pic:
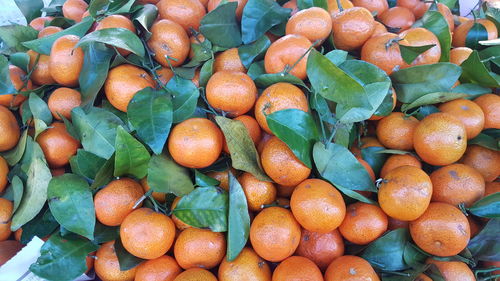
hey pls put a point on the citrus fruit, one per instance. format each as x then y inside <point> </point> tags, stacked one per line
<point>9,128</point>
<point>383,51</point>
<point>39,22</point>
<point>491,187</point>
<point>459,55</point>
<point>57,145</point>
<point>229,60</point>
<point>258,193</point>
<point>287,52</point>
<point>158,196</point>
<point>321,248</point>
<point>484,160</point>
<point>313,23</point>
<point>460,32</point>
<point>296,268</point>
<point>248,266</point>
<point>212,4</point>
<point>46,31</point>
<point>164,74</point>
<point>41,73</point>
<point>398,160</point>
<point>164,268</point>
<point>107,267</point>
<point>469,113</point>
<point>333,7</point>
<point>18,79</point>
<point>419,36</point>
<point>117,21</point>
<point>374,6</point>
<point>169,42</point>
<point>62,101</point>
<point>6,208</point>
<point>398,18</point>
<point>490,104</point>
<point>187,13</point>
<point>363,223</point>
<point>196,247</point>
<point>396,130</point>
<point>74,9</point>
<point>66,61</point>
<point>350,268</point>
<point>196,274</point>
<point>352,28</point>
<point>4,171</point>
<point>178,223</point>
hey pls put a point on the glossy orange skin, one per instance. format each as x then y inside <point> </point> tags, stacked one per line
<point>158,196</point>
<point>196,247</point>
<point>187,13</point>
<point>164,268</point>
<point>222,177</point>
<point>420,37</point>
<point>418,7</point>
<point>178,223</point>
<point>313,23</point>
<point>459,55</point>
<point>277,97</point>
<point>374,6</point>
<point>491,187</point>
<point>287,51</point>
<point>164,74</point>
<point>196,274</point>
<point>9,128</point>
<point>440,139</point>
<point>490,104</point>
<point>212,4</point>
<point>397,17</point>
<point>297,268</point>
<point>62,101</point>
<point>394,101</point>
<point>484,160</point>
<point>317,206</point>
<point>471,115</point>
<point>4,171</point>
<point>169,39</point>
<point>333,8</point>
<point>378,29</point>
<point>41,74</point>
<point>281,165</point>
<point>443,230</point>
<point>66,61</point>
<point>195,143</point>
<point>405,193</point>
<point>117,21</point>
<point>248,266</point>
<point>446,12</point>
<point>123,82</point>
<point>107,267</point>
<point>363,223</point>
<point>352,28</point>
<point>398,160</point>
<point>39,22</point>
<point>396,130</point>
<point>116,200</point>
<point>453,270</point>
<point>275,234</point>
<point>6,208</point>
<point>8,249</point>
<point>229,60</point>
<point>350,268</point>
<point>375,52</point>
<point>257,192</point>
<point>461,31</point>
<point>49,30</point>
<point>74,9</point>
<point>16,75</point>
<point>321,248</point>
<point>57,145</point>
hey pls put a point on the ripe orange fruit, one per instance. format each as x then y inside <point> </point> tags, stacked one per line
<point>6,208</point>
<point>117,21</point>
<point>352,27</point>
<point>297,268</point>
<point>229,60</point>
<point>163,268</point>
<point>4,171</point>
<point>313,23</point>
<point>248,266</point>
<point>116,200</point>
<point>66,61</point>
<point>461,31</point>
<point>46,31</point>
<point>41,74</point>
<point>164,74</point>
<point>195,143</point>
<point>39,22</point>
<point>123,82</point>
<point>107,267</point>
<point>440,139</point>
<point>491,187</point>
<point>397,17</point>
<point>158,196</point>
<point>405,193</point>
<point>281,165</point>
<point>421,37</point>
<point>62,101</point>
<point>169,41</point>
<point>8,249</point>
<point>459,55</point>
<point>277,97</point>
<point>196,274</point>
<point>484,160</point>
<point>446,12</point>
<point>490,104</point>
<point>74,9</point>
<point>416,6</point>
<point>222,177</point>
<point>378,29</point>
<point>252,127</point>
<point>321,248</point>
<point>363,223</point>
<point>469,113</point>
<point>9,128</point>
<point>17,77</point>
<point>398,160</point>
<point>287,51</point>
<point>396,130</point>
<point>350,268</point>
<point>443,230</point>
<point>196,247</point>
<point>212,4</point>
<point>375,52</point>
<point>333,8</point>
<point>187,13</point>
<point>275,234</point>
<point>257,192</point>
<point>453,270</point>
<point>374,6</point>
<point>58,145</point>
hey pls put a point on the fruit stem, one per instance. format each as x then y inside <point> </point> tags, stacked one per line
<point>289,68</point>
<point>340,6</point>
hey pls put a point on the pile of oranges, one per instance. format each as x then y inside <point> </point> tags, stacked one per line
<point>192,157</point>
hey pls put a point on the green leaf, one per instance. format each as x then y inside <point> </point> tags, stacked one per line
<point>484,246</point>
<point>40,126</point>
<point>259,16</point>
<point>477,33</point>
<point>472,90</point>
<point>413,256</point>
<point>63,258</point>
<point>42,225</point>
<point>125,259</point>
<point>120,7</point>
<point>61,22</point>
<point>6,85</point>
<point>144,18</point>
<point>249,53</point>
<point>475,71</point>
<point>386,253</point>
<point>433,98</point>
<point>204,180</point>
<point>12,37</point>
<point>164,175</point>
<point>238,219</point>
<point>14,155</point>
<point>485,140</point>
<point>256,69</point>
<point>117,37</point>
<point>487,207</point>
<point>410,53</point>
<point>206,72</point>
<point>373,156</point>
<point>202,52</point>
<point>449,3</point>
<point>244,156</point>
<point>20,60</point>
<point>304,4</point>
<point>184,98</point>
<point>297,129</point>
<point>71,203</point>
<point>86,164</point>
<point>131,157</point>
<point>18,189</point>
<point>204,207</point>
<point>104,233</point>
<point>30,8</point>
<point>493,14</point>
<point>221,27</point>
<point>150,112</point>
<point>337,57</point>
<point>436,23</point>
<point>265,80</point>
<point>39,108</point>
<point>105,173</point>
<point>98,7</point>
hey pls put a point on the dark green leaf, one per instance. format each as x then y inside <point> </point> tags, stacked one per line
<point>125,259</point>
<point>477,33</point>
<point>238,219</point>
<point>433,98</point>
<point>487,207</point>
<point>164,175</point>
<point>493,14</point>
<point>20,60</point>
<point>304,4</point>
<point>104,233</point>
<point>202,52</point>
<point>410,53</point>
<point>184,98</point>
<point>98,7</point>
<point>413,256</point>
<point>185,72</point>
<point>259,16</point>
<point>206,72</point>
<point>220,26</point>
<point>204,180</point>
<point>449,3</point>
<point>337,57</point>
<point>256,69</point>
<point>435,22</point>
<point>40,126</point>
<point>476,72</point>
<point>42,225</point>
<point>144,18</point>
<point>484,246</point>
<point>253,51</point>
<point>12,37</point>
<point>6,86</point>
<point>374,158</point>
<point>39,108</point>
<point>387,252</point>
<point>265,80</point>
<point>30,8</point>
<point>86,164</point>
<point>485,140</point>
<point>54,8</point>
<point>120,7</point>
<point>117,37</point>
<point>14,155</point>
<point>131,157</point>
<point>343,134</point>
<point>472,90</point>
<point>60,22</point>
<point>94,71</point>
<point>18,189</point>
<point>320,105</point>
<point>105,173</point>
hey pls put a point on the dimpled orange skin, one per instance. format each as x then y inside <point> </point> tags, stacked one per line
<point>378,29</point>
<point>4,171</point>
<point>116,200</point>
<point>196,274</point>
<point>443,230</point>
<point>396,131</point>
<point>275,234</point>
<point>62,101</point>
<point>469,113</point>
<point>257,192</point>
<point>461,31</point>
<point>440,139</point>
<point>333,8</point>
<point>363,223</point>
<point>187,13</point>
<point>459,55</point>
<point>405,193</point>
<point>484,160</point>
<point>58,145</point>
<point>321,248</point>
<point>421,37</point>
<point>107,267</point>
<point>6,208</point>
<point>117,21</point>
<point>39,23</point>
<point>196,247</point>
<point>169,39</point>
<point>222,177</point>
<point>375,52</point>
<point>74,9</point>
<point>397,17</point>
<point>453,270</point>
<point>287,51</point>
<point>248,266</point>
<point>277,97</point>
<point>9,128</point>
<point>457,183</point>
<point>350,268</point>
<point>41,74</point>
<point>352,27</point>
<point>195,143</point>
<point>297,268</point>
<point>212,4</point>
<point>490,104</point>
<point>164,268</point>
<point>398,160</point>
<point>229,60</point>
<point>281,165</point>
<point>378,6</point>
<point>49,30</point>
<point>16,75</point>
<point>66,61</point>
<point>313,23</point>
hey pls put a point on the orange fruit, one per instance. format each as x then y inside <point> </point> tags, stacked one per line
<point>169,41</point>
<point>440,139</point>
<point>363,223</point>
<point>17,77</point>
<point>368,168</point>
<point>469,113</point>
<point>446,12</point>
<point>484,160</point>
<point>8,249</point>
<point>4,172</point>
<point>394,101</point>
<point>66,61</point>
<point>257,192</point>
<point>491,187</point>
<point>117,21</point>
<point>6,208</point>
<point>46,31</point>
<point>195,143</point>
<point>443,230</point>
<point>248,266</point>
<point>62,101</point>
<point>9,128</point>
<point>116,200</point>
<point>252,126</point>
<point>405,193</point>
<point>398,160</point>
<point>490,104</point>
<point>374,6</point>
<point>229,60</point>
<point>275,234</point>
<point>375,52</point>
<point>164,74</point>
<point>123,82</point>
<point>395,224</point>
<point>58,145</point>
<point>178,223</point>
<point>74,9</point>
<point>396,130</point>
<point>292,4</point>
<point>378,29</point>
<point>418,7</point>
<point>321,248</point>
<point>352,28</point>
<point>187,13</point>
<point>41,74</point>
<point>350,268</point>
<point>158,196</point>
<point>287,51</point>
<point>297,268</point>
<point>39,22</point>
<point>313,23</point>
<point>277,97</point>
<point>421,37</point>
<point>222,177</point>
<point>164,268</point>
<point>281,165</point>
<point>196,78</point>
<point>399,18</point>
<point>459,55</point>
<point>461,31</point>
<point>333,7</point>
<point>107,267</point>
<point>453,270</point>
<point>196,247</point>
<point>196,274</point>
